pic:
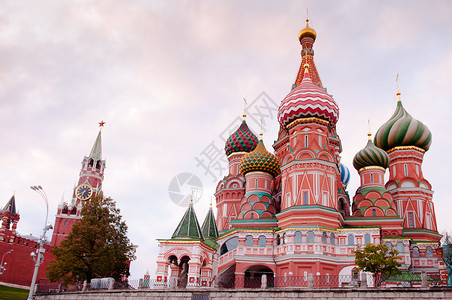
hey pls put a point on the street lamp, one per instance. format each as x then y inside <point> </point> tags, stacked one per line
<point>2,268</point>
<point>40,256</point>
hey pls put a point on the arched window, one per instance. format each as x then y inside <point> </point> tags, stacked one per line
<point>389,245</point>
<point>310,237</point>
<point>374,213</point>
<point>91,163</point>
<point>262,242</point>
<point>415,252</point>
<point>371,178</point>
<point>284,238</point>
<point>306,141</point>
<point>249,241</point>
<point>366,238</point>
<point>98,164</point>
<point>429,252</point>
<point>332,239</point>
<point>324,237</point>
<point>351,240</point>
<point>297,237</point>
<point>400,247</point>
<point>278,240</point>
<point>229,245</point>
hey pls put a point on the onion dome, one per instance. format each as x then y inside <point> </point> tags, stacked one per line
<point>371,156</point>
<point>308,100</point>
<point>260,160</point>
<point>242,140</point>
<point>307,32</point>
<point>345,174</point>
<point>403,130</point>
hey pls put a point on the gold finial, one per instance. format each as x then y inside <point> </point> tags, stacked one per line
<point>244,109</point>
<point>191,199</point>
<point>369,134</point>
<point>211,202</point>
<point>398,88</point>
<point>261,134</point>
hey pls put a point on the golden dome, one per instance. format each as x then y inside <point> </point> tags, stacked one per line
<point>307,32</point>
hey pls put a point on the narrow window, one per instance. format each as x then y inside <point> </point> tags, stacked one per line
<point>410,220</point>
<point>406,169</point>
<point>371,178</point>
<point>415,252</point>
<point>366,238</point>
<point>305,198</point>
<point>284,238</point>
<point>351,240</point>
<point>332,239</point>
<point>297,237</point>
<point>400,247</point>
<point>310,237</point>
<point>256,183</point>
<point>278,240</point>
<point>262,241</point>
<point>374,213</point>
<point>249,241</point>
<point>324,237</point>
<point>252,215</point>
<point>306,141</point>
<point>429,252</point>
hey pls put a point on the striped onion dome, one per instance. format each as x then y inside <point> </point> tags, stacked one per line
<point>242,140</point>
<point>260,160</point>
<point>345,174</point>
<point>403,130</point>
<point>371,156</point>
<point>308,100</point>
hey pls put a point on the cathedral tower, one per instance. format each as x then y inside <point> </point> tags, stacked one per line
<point>308,148</point>
<point>406,140</point>
<point>231,189</point>
<point>89,185</point>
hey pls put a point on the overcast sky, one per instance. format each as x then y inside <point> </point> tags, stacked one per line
<point>168,78</point>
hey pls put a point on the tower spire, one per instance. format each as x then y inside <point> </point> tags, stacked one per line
<point>307,37</point>
<point>398,88</point>
<point>96,151</point>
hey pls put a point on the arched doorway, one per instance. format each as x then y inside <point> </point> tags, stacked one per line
<point>253,276</point>
<point>184,270</point>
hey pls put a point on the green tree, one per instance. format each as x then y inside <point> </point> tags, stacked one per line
<point>97,246</point>
<point>378,260</point>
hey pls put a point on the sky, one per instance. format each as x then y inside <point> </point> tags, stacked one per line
<point>168,78</point>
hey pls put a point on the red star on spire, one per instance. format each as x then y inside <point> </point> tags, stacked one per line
<point>101,123</point>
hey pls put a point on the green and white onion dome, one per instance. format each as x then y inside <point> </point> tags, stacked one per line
<point>403,130</point>
<point>370,156</point>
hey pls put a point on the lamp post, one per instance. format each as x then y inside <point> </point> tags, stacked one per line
<point>2,268</point>
<point>40,256</point>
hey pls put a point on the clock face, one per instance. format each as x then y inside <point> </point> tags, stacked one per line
<point>83,192</point>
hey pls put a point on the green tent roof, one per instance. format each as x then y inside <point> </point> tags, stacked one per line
<point>188,227</point>
<point>209,227</point>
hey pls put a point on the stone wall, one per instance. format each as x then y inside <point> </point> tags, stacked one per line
<point>205,294</point>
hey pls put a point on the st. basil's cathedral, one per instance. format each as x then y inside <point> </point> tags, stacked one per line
<point>289,214</point>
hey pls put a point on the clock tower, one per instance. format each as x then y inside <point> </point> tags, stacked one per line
<point>89,184</point>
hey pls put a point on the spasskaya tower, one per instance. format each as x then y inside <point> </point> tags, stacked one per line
<point>89,185</point>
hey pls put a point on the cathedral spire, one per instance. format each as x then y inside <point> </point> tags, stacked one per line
<point>209,227</point>
<point>96,151</point>
<point>188,227</point>
<point>307,37</point>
